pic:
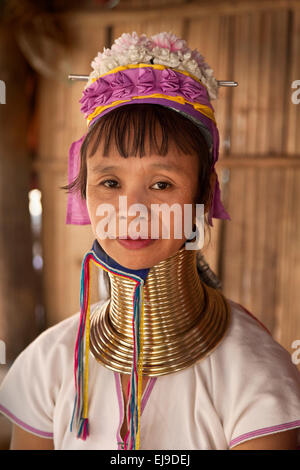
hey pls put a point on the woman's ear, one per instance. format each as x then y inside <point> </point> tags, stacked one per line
<point>212,183</point>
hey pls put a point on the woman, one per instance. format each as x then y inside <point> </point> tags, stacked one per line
<point>167,362</point>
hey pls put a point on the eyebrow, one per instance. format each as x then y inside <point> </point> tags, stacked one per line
<point>103,169</point>
<point>100,168</point>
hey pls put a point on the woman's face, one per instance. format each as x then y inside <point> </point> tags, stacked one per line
<point>152,179</point>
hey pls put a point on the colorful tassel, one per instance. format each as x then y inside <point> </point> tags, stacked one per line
<point>81,360</point>
<point>135,385</point>
<point>82,355</point>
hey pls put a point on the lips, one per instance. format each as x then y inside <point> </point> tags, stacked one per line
<point>135,244</point>
<point>139,238</point>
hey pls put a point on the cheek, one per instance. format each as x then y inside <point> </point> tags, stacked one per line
<point>188,204</point>
<point>102,211</point>
<point>187,195</point>
<point>90,202</point>
<point>93,201</point>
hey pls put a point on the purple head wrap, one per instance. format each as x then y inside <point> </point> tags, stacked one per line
<point>153,84</point>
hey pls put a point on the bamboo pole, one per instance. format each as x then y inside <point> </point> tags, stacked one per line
<point>17,282</point>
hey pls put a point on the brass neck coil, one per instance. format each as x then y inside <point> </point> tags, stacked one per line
<point>184,319</point>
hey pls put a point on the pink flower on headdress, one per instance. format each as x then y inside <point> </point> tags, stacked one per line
<point>169,82</point>
<point>169,41</point>
<point>121,85</point>
<point>125,41</point>
<point>146,81</point>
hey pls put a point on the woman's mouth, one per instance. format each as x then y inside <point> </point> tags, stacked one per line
<point>135,244</point>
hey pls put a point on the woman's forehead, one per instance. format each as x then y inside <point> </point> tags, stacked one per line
<point>172,161</point>
<point>155,162</point>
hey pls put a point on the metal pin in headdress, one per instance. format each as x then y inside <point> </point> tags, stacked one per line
<point>84,78</point>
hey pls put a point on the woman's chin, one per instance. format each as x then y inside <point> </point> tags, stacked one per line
<point>135,257</point>
<point>136,260</point>
<point>138,256</point>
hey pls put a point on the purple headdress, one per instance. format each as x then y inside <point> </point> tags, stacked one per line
<point>159,70</point>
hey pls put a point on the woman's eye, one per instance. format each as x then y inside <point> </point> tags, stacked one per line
<point>114,184</point>
<point>162,184</point>
<point>109,185</point>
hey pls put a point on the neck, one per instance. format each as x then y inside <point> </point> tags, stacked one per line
<point>183,321</point>
<point>173,297</point>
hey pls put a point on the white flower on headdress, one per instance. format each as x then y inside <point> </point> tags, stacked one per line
<point>209,80</point>
<point>165,57</point>
<point>134,55</point>
<point>190,65</point>
<point>195,55</point>
<point>126,41</point>
<point>163,48</point>
<point>104,61</point>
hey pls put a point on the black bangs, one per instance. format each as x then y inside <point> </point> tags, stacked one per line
<point>130,127</point>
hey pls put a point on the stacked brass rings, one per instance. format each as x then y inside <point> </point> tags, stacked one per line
<point>184,319</point>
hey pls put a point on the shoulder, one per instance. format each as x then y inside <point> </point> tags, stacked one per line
<point>248,349</point>
<point>255,384</point>
<point>62,334</point>
<point>52,342</point>
<point>43,370</point>
<point>247,339</point>
<point>250,365</point>
<point>54,345</point>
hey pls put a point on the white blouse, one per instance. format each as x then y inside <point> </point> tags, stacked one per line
<point>246,388</point>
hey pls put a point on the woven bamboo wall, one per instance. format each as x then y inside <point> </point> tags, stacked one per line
<point>256,254</point>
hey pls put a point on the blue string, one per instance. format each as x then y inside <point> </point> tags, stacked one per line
<point>139,275</point>
<point>77,404</point>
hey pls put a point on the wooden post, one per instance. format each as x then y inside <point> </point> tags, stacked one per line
<point>17,284</point>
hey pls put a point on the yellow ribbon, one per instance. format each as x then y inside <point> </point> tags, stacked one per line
<point>153,66</point>
<point>140,372</point>
<point>203,109</point>
<point>87,348</point>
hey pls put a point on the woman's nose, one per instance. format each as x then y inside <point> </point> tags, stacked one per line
<point>136,196</point>
<point>134,206</point>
